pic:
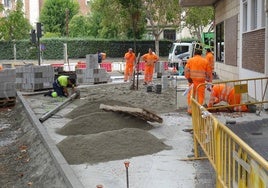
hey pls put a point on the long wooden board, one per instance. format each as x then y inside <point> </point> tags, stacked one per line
<point>138,112</point>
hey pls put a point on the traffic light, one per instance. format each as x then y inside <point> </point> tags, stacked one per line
<point>39,29</point>
<point>33,36</point>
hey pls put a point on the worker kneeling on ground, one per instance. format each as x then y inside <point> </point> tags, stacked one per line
<point>224,93</point>
<point>60,86</point>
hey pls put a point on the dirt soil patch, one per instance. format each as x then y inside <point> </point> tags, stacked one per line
<point>24,160</point>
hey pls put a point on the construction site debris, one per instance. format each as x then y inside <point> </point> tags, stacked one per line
<point>138,112</point>
<point>57,108</point>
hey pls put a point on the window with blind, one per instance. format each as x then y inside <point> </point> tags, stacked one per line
<point>220,42</point>
<point>253,15</point>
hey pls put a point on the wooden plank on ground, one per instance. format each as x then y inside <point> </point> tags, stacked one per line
<point>137,112</point>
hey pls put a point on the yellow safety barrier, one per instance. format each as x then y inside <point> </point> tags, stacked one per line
<point>236,164</point>
<point>252,91</point>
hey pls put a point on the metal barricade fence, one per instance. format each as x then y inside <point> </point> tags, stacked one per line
<point>236,164</point>
<point>252,91</point>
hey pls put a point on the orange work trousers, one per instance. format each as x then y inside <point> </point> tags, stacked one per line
<point>199,94</point>
<point>148,73</point>
<point>236,99</point>
<point>128,71</point>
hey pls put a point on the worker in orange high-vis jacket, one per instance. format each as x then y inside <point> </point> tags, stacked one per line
<point>224,93</point>
<point>130,58</point>
<point>210,59</point>
<point>150,59</point>
<point>197,71</point>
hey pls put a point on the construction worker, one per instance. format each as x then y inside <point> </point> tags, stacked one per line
<point>197,71</point>
<point>1,67</point>
<point>224,93</point>
<point>101,56</point>
<point>130,58</point>
<point>210,59</point>
<point>150,59</point>
<point>60,86</point>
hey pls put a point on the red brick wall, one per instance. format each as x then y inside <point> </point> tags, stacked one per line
<point>253,50</point>
<point>84,9</point>
<point>230,41</point>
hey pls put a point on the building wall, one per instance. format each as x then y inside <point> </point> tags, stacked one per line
<point>32,9</point>
<point>84,9</point>
<point>253,51</point>
<point>231,43</point>
<point>227,11</point>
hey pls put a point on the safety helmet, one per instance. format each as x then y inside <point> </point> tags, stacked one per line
<point>54,94</point>
<point>198,49</point>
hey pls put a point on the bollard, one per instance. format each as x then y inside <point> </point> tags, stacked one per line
<point>149,88</point>
<point>127,165</point>
<point>158,88</point>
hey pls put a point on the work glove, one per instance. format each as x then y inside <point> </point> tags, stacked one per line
<point>190,80</point>
<point>208,88</point>
<point>205,105</point>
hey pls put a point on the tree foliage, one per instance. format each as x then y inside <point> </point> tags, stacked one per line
<point>106,21</point>
<point>197,18</point>
<point>161,14</point>
<point>14,26</point>
<point>111,19</point>
<point>79,26</point>
<point>135,23</point>
<point>55,15</point>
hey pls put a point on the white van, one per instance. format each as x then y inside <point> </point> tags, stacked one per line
<point>178,55</point>
<point>180,51</point>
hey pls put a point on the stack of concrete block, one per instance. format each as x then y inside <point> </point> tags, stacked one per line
<point>92,61</point>
<point>7,83</point>
<point>92,74</point>
<point>34,78</point>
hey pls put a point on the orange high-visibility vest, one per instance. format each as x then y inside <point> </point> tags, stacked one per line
<point>222,92</point>
<point>210,59</point>
<point>198,69</point>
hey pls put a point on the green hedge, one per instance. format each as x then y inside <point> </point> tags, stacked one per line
<point>77,48</point>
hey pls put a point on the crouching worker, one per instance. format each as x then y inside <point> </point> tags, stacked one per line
<point>60,86</point>
<point>224,93</point>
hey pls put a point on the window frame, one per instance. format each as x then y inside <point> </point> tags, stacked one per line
<point>220,42</point>
<point>253,15</point>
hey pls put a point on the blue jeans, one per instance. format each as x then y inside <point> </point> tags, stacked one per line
<point>59,89</point>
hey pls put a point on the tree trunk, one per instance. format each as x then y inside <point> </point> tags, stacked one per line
<point>157,44</point>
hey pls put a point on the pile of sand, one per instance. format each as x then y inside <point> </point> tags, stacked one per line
<point>97,136</point>
<point>109,145</point>
<point>100,122</point>
<point>93,106</point>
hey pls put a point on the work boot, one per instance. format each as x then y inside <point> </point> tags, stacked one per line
<point>252,108</point>
<point>48,94</point>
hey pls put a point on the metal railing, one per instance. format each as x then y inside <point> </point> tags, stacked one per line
<point>252,91</point>
<point>236,164</point>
